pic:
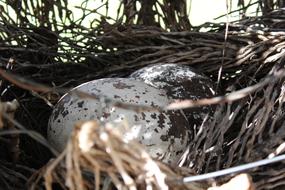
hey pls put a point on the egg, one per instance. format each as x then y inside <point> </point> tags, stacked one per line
<point>180,82</point>
<point>164,134</point>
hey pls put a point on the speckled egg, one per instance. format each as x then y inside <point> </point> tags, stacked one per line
<point>180,82</point>
<point>165,134</point>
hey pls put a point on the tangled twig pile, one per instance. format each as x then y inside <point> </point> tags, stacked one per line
<point>247,64</point>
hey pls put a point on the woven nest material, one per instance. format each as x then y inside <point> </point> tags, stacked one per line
<point>39,64</point>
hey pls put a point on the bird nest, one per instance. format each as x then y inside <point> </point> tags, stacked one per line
<point>244,58</point>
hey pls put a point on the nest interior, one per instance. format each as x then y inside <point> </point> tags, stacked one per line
<point>245,58</point>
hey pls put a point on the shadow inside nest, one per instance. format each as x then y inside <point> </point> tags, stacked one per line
<point>229,139</point>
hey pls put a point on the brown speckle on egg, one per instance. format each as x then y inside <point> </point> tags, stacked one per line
<point>164,137</point>
<point>161,120</point>
<point>80,104</point>
<point>136,118</point>
<point>116,96</point>
<point>153,116</point>
<point>143,115</point>
<point>64,113</point>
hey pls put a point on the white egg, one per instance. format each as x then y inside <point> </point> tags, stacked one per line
<point>180,82</point>
<point>165,134</point>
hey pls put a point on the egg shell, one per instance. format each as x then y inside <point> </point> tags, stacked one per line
<point>165,134</point>
<point>180,82</point>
